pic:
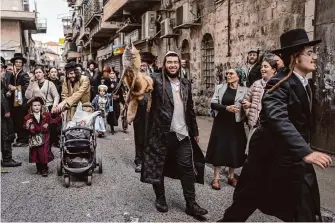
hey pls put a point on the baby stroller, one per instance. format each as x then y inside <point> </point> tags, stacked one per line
<point>78,150</point>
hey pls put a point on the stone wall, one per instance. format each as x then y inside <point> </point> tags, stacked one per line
<point>254,24</point>
<point>11,35</point>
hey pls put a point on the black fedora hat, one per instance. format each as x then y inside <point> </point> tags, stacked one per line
<point>92,62</point>
<point>147,57</point>
<point>18,56</point>
<point>3,63</point>
<point>293,39</point>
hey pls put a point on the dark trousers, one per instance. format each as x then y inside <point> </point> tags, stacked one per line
<point>18,114</point>
<point>55,130</point>
<point>6,150</point>
<point>140,131</point>
<point>182,152</point>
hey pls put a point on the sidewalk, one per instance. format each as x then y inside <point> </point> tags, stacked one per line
<point>326,178</point>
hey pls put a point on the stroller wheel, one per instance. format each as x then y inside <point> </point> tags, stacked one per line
<point>100,164</point>
<point>59,169</point>
<point>66,181</point>
<point>89,180</point>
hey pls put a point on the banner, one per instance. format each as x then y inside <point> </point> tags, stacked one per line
<point>61,40</point>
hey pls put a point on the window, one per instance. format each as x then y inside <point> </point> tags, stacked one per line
<point>207,50</point>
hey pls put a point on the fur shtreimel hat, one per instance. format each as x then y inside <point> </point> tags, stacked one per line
<point>102,87</point>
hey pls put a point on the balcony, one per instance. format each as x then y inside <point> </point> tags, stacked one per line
<point>128,27</point>
<point>28,19</point>
<point>104,30</point>
<point>41,25</point>
<point>92,12</point>
<point>113,9</point>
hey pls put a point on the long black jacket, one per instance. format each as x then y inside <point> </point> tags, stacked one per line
<point>275,170</point>
<point>155,163</point>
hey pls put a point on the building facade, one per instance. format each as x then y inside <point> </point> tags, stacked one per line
<point>212,35</point>
<point>18,22</point>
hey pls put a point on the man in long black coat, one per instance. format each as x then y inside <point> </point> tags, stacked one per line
<point>279,178</point>
<point>172,148</point>
<point>254,71</point>
<point>19,82</point>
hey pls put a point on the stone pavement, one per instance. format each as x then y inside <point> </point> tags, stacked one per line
<point>28,197</point>
<point>326,178</point>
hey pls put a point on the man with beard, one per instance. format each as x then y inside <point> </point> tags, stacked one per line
<point>172,148</point>
<point>254,71</point>
<point>75,89</point>
<point>93,74</point>
<point>141,119</point>
<point>185,72</point>
<point>278,177</point>
<point>18,84</point>
<point>7,128</point>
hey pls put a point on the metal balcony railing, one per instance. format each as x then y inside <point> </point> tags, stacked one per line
<point>92,8</point>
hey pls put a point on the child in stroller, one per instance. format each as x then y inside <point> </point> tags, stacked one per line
<point>102,103</point>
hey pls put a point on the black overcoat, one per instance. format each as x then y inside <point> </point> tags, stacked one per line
<point>156,164</point>
<point>254,74</point>
<point>275,172</point>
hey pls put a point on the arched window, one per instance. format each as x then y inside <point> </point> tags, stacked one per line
<point>207,50</point>
<point>185,50</point>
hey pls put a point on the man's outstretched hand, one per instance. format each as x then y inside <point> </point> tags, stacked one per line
<point>320,159</point>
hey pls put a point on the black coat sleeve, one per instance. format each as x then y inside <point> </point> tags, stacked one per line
<point>4,104</point>
<point>218,107</point>
<point>192,117</point>
<point>275,105</point>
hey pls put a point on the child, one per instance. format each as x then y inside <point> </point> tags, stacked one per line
<point>102,103</point>
<point>37,123</point>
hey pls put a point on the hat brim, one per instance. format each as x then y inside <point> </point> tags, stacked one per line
<point>310,43</point>
<point>30,101</point>
<point>24,60</point>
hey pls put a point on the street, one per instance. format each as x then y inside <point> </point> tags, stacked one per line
<point>26,196</point>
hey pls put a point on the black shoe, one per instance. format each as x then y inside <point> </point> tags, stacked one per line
<point>113,132</point>
<point>161,204</point>
<point>138,168</point>
<point>10,163</point>
<point>193,209</point>
<point>45,173</point>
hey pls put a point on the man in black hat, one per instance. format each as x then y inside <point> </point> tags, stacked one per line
<point>141,119</point>
<point>278,177</point>
<point>254,70</point>
<point>18,85</point>
<point>93,74</point>
<point>7,128</point>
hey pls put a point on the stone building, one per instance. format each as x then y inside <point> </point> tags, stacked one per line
<point>18,22</point>
<point>207,33</point>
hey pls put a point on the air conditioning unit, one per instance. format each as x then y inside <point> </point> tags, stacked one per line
<point>186,14</point>
<point>148,25</point>
<point>166,28</point>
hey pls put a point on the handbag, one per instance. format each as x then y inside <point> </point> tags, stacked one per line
<point>36,140</point>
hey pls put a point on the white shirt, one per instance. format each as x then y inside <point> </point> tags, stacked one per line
<point>303,80</point>
<point>178,124</point>
<point>37,116</point>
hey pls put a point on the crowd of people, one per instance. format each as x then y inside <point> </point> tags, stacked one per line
<point>265,111</point>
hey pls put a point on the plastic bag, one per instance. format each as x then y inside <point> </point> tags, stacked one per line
<point>82,118</point>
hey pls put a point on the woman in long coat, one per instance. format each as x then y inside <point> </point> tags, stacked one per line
<point>227,143</point>
<point>111,82</point>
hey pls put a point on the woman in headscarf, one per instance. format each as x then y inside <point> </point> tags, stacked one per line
<point>228,139</point>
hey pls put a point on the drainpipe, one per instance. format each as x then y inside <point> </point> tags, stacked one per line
<point>229,29</point>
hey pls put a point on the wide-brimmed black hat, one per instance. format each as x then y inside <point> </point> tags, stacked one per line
<point>3,63</point>
<point>147,57</point>
<point>40,99</point>
<point>294,39</point>
<point>70,66</point>
<point>18,56</point>
<point>92,62</point>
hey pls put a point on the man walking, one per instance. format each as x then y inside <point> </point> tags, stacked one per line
<point>254,70</point>
<point>185,72</point>
<point>279,178</point>
<point>18,85</point>
<point>93,74</point>
<point>7,128</point>
<point>75,89</point>
<point>172,148</point>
